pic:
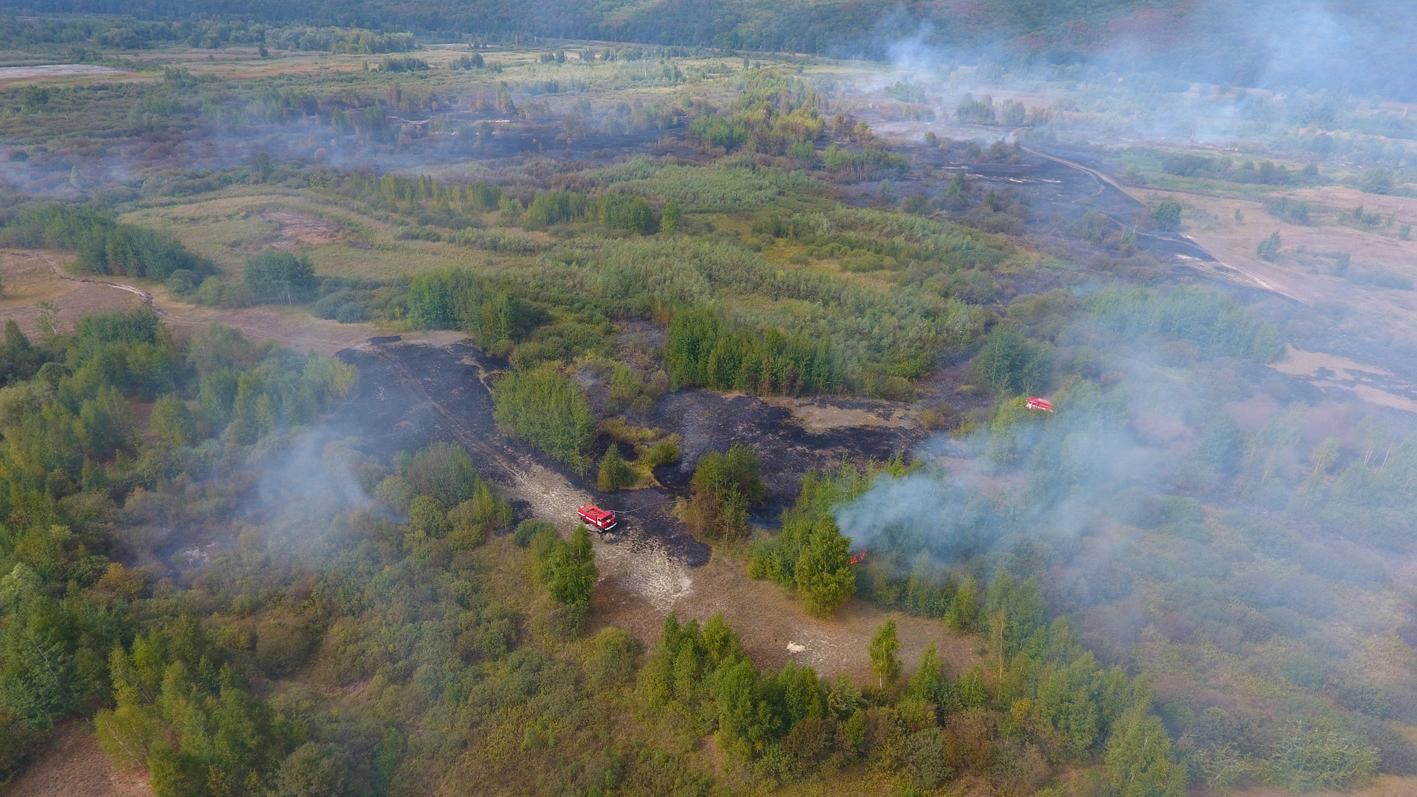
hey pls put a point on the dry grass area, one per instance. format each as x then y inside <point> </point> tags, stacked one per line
<point>232,226</point>
<point>72,765</point>
<point>292,328</point>
<point>1231,228</point>
<point>30,281</point>
<point>67,74</point>
<point>1233,240</point>
<point>32,277</point>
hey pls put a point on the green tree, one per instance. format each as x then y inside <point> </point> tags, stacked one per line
<point>1167,216</point>
<point>172,422</point>
<point>1012,364</point>
<point>1016,612</point>
<point>548,409</point>
<point>1139,761</point>
<point>825,579</point>
<point>313,770</point>
<point>427,519</point>
<point>724,488</point>
<point>444,472</point>
<point>670,217</point>
<point>1377,181</point>
<point>1318,753</point>
<point>280,277</point>
<point>1221,445</point>
<point>963,613</point>
<point>568,568</point>
<point>929,683</point>
<point>476,518</point>
<point>885,654</point>
<point>613,474</point>
<point>1268,249</point>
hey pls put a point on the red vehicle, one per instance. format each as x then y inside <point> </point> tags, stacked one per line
<point>1039,404</point>
<point>602,520</point>
<point>857,558</point>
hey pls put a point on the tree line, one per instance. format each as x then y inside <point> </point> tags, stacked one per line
<point>702,348</point>
<point>103,244</point>
<point>133,34</point>
<point>1048,707</point>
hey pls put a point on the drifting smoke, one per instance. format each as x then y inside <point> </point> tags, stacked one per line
<point>1316,45</point>
<point>305,482</point>
<point>1215,73</point>
<point>1083,463</point>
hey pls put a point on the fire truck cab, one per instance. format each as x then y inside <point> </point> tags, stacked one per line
<point>602,520</point>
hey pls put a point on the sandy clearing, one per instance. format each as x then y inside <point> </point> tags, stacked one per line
<point>775,629</point>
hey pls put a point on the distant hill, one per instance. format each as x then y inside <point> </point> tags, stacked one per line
<point>1362,46</point>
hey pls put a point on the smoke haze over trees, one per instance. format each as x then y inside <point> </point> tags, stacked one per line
<point>1274,43</point>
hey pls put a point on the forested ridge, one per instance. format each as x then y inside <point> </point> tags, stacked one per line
<point>1225,43</point>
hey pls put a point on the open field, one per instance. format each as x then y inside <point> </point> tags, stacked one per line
<point>340,242</point>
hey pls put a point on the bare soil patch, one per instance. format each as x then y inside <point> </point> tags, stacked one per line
<point>301,229</point>
<point>72,765</point>
<point>819,416</point>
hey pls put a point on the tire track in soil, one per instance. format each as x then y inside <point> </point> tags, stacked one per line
<point>258,324</point>
<point>144,296</point>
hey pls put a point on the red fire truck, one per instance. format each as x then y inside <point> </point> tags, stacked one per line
<point>602,520</point>
<point>1039,404</point>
